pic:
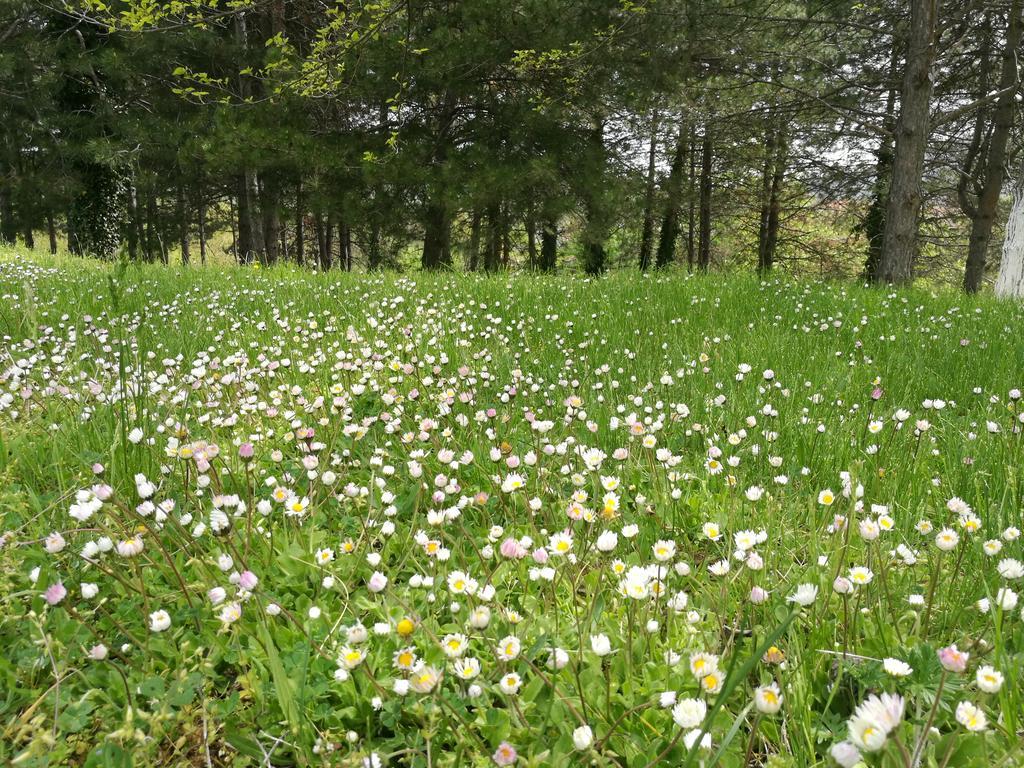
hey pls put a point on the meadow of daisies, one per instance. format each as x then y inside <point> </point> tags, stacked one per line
<point>269,518</point>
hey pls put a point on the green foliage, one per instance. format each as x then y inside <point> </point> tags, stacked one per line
<point>99,211</point>
<point>454,134</point>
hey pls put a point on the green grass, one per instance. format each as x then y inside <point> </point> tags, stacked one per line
<point>143,369</point>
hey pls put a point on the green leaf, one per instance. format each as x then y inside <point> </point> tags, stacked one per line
<point>75,717</point>
<point>153,688</point>
<point>182,692</point>
<point>498,725</point>
<point>245,744</point>
<point>282,683</point>
<point>108,755</point>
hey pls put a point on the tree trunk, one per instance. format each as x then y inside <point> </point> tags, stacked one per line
<point>183,233</point>
<point>473,262</point>
<point>763,264</point>
<point>244,251</point>
<point>437,225</point>
<point>374,255</point>
<point>1010,282</point>
<point>706,170</point>
<point>436,235</point>
<point>995,158</point>
<point>345,236</point>
<point>506,237</point>
<point>549,245</point>
<point>234,227</point>
<point>300,224</point>
<point>323,253</point>
<point>691,215</point>
<point>874,220</point>
<point>51,229</point>
<point>669,234</point>
<point>134,223</point>
<point>26,216</point>
<point>165,256</point>
<point>156,242</point>
<point>775,171</point>
<point>594,229</point>
<point>328,263</point>
<point>151,223</point>
<point>269,198</point>
<point>899,245</point>
<point>775,206</point>
<point>250,236</point>
<point>531,240</point>
<point>492,251</point>
<point>202,231</point>
<point>647,232</point>
<point>74,245</point>
<point>8,225</point>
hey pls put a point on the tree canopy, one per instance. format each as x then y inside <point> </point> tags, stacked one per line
<point>837,138</point>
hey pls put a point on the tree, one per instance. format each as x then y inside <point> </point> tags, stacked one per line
<point>504,133</point>
<point>985,164</point>
<point>1011,267</point>
<point>647,235</point>
<point>899,243</point>
<point>669,233</point>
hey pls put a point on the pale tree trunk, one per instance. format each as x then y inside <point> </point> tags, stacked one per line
<point>983,213</point>
<point>899,244</point>
<point>1011,268</point>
